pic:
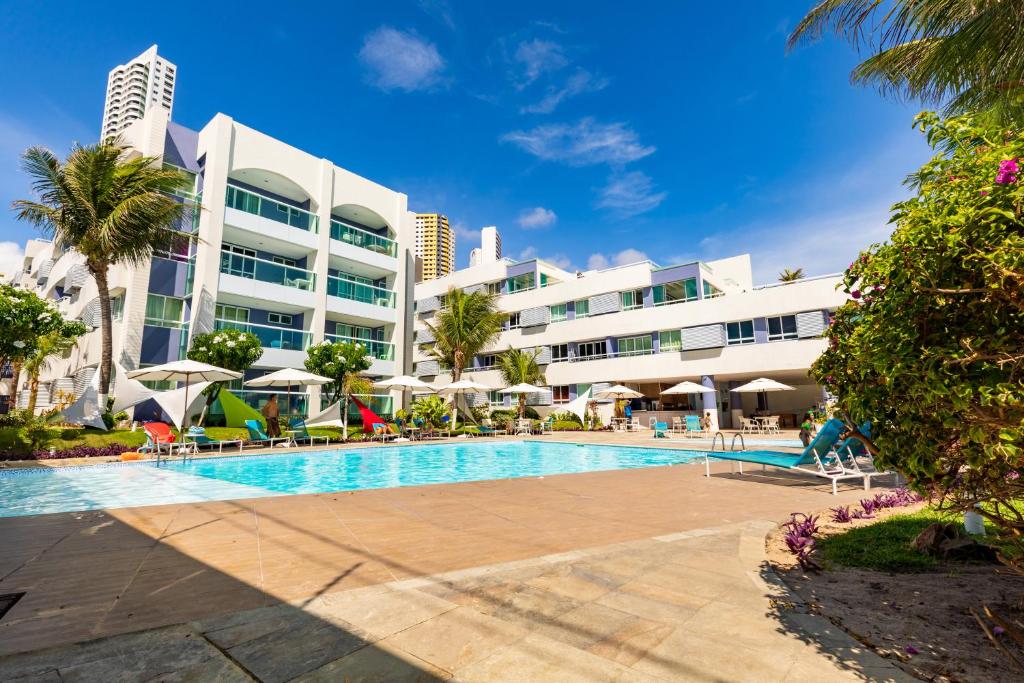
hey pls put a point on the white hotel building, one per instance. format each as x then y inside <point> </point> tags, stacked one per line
<point>290,247</point>
<point>648,327</point>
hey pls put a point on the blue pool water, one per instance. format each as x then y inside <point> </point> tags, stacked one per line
<point>67,489</point>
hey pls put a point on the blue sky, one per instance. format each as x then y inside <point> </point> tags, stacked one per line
<point>589,133</point>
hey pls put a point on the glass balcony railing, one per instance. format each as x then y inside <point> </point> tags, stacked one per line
<point>266,271</point>
<point>363,238</point>
<point>259,205</point>
<point>377,349</point>
<point>270,337</point>
<point>345,288</point>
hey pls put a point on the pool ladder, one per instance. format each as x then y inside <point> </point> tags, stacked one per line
<point>732,446</point>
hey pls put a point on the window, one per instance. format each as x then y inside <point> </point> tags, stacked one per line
<point>559,352</point>
<point>675,292</point>
<point>560,394</point>
<point>632,299</point>
<point>513,321</point>
<point>741,332</point>
<point>358,332</point>
<point>592,349</point>
<point>232,313</point>
<point>495,398</point>
<point>164,311</point>
<point>117,308</point>
<point>710,291</point>
<point>283,261</point>
<point>559,313</point>
<point>582,309</point>
<point>488,360</point>
<point>782,327</point>
<point>238,261</point>
<point>279,319</point>
<point>635,346</point>
<point>235,249</point>
<point>494,287</point>
<point>521,283</point>
<point>670,340</point>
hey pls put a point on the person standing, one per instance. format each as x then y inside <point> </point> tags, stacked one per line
<point>806,430</point>
<point>272,412</point>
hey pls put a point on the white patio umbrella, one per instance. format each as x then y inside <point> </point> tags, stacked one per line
<point>762,384</point>
<point>522,388</point>
<point>618,391</point>
<point>185,371</point>
<point>463,387</point>
<point>687,388</point>
<point>403,382</point>
<point>286,377</point>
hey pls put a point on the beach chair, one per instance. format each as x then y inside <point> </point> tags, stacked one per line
<point>382,432</point>
<point>158,435</point>
<point>818,459</point>
<point>855,457</point>
<point>259,437</point>
<point>660,430</point>
<point>694,428</point>
<point>445,428</point>
<point>487,422</point>
<point>298,425</point>
<point>547,426</point>
<point>197,435</point>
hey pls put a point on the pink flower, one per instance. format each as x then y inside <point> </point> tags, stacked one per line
<point>855,294</point>
<point>1007,174</point>
<point>998,630</point>
<point>984,193</point>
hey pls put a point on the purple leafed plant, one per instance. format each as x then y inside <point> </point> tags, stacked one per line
<point>869,506</point>
<point>799,538</point>
<point>841,514</point>
<point>84,452</point>
<point>860,514</point>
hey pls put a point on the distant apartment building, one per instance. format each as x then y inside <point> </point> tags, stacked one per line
<point>649,327</point>
<point>287,246</point>
<point>134,88</point>
<point>489,250</point>
<point>435,245</point>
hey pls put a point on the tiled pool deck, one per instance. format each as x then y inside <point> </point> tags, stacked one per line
<point>649,574</point>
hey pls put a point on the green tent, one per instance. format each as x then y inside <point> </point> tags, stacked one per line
<point>236,411</point>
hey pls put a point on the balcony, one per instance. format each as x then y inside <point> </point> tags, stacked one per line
<point>254,268</point>
<point>353,290</point>
<point>363,239</point>
<point>258,205</point>
<point>270,337</point>
<point>377,349</point>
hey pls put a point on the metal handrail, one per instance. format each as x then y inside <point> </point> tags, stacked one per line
<point>714,440</point>
<point>732,446</point>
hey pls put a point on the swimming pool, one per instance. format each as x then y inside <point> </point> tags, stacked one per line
<point>67,489</point>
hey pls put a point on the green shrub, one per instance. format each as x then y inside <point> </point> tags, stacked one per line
<point>567,426</point>
<point>505,415</point>
<point>566,416</point>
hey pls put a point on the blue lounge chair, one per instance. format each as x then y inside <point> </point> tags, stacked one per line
<point>660,430</point>
<point>818,458</point>
<point>259,437</point>
<point>198,436</point>
<point>298,425</point>
<point>693,426</point>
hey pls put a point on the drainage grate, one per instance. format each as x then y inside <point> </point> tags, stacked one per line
<point>8,601</point>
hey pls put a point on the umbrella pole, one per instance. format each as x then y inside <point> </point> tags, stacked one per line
<point>184,414</point>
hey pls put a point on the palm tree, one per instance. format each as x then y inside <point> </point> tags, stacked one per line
<point>110,208</point>
<point>48,346</point>
<point>518,366</point>
<point>966,53</point>
<point>788,275</point>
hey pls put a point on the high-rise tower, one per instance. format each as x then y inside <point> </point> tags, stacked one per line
<point>435,245</point>
<point>132,88</point>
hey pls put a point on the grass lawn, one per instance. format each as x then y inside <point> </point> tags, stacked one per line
<point>886,545</point>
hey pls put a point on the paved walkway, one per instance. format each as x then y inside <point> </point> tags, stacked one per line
<point>601,575</point>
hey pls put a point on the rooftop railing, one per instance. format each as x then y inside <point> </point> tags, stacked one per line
<point>258,205</point>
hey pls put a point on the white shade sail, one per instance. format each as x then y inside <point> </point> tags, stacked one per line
<point>184,371</point>
<point>522,388</point>
<point>328,417</point>
<point>618,391</point>
<point>173,402</point>
<point>287,377</point>
<point>86,410</point>
<point>578,406</point>
<point>127,392</point>
<point>403,382</point>
<point>687,388</point>
<point>762,384</point>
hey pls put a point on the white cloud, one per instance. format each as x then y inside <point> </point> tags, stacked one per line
<point>622,258</point>
<point>536,57</point>
<point>581,144</point>
<point>461,231</point>
<point>558,260</point>
<point>12,256</point>
<point>440,10</point>
<point>582,81</point>
<point>630,194</point>
<point>400,60</point>
<point>536,218</point>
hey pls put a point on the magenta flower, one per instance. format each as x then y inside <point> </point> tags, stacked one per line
<point>998,630</point>
<point>911,650</point>
<point>1007,174</point>
<point>984,193</point>
<point>855,294</point>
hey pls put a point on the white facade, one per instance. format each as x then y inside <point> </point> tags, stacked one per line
<point>289,247</point>
<point>134,88</point>
<point>649,327</point>
<point>490,244</point>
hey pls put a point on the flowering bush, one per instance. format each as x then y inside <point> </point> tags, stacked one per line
<point>930,348</point>
<point>76,452</point>
<point>230,349</point>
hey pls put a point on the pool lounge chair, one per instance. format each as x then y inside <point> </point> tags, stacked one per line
<point>818,458</point>
<point>158,435</point>
<point>855,457</point>
<point>660,430</point>
<point>259,437</point>
<point>694,428</point>
<point>298,425</point>
<point>445,428</point>
<point>197,435</point>
<point>382,432</point>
